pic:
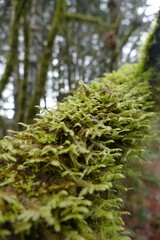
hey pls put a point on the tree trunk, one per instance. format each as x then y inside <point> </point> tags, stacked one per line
<point>151,61</point>
<point>13,42</point>
<point>23,96</point>
<point>56,26</point>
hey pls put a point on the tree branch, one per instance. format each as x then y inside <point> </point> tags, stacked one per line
<point>86,19</point>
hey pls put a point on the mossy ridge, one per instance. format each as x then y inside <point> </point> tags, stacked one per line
<point>61,177</point>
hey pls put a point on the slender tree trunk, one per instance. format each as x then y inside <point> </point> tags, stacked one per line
<point>56,28</point>
<point>23,96</point>
<point>13,43</point>
<point>35,44</point>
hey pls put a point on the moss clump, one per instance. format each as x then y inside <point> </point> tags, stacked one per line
<point>61,178</point>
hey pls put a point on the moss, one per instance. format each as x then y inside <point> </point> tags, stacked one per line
<point>150,60</point>
<point>62,177</point>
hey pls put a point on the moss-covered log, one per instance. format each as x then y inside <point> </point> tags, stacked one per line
<point>151,61</point>
<point>61,178</point>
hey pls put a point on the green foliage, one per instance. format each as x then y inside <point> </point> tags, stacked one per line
<point>62,177</point>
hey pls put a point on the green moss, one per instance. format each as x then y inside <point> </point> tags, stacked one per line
<point>150,61</point>
<point>61,178</point>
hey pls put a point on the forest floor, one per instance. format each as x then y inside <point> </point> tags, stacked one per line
<point>144,203</point>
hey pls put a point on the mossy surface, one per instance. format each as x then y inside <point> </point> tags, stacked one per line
<point>62,177</point>
<point>150,62</point>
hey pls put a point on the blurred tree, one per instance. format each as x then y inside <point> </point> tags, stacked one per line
<point>53,44</point>
<point>151,63</point>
